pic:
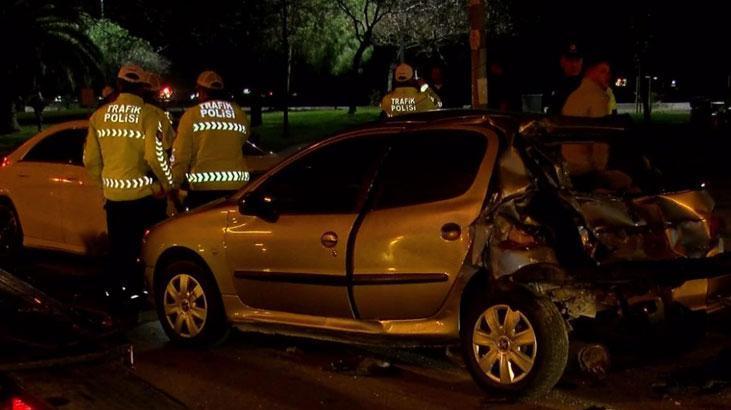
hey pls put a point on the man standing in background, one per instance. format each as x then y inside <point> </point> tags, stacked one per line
<point>571,65</point>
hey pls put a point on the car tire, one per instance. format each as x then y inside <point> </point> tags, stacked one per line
<point>525,361</point>
<point>11,235</point>
<point>189,305</point>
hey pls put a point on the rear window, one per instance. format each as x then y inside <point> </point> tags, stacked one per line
<point>428,167</point>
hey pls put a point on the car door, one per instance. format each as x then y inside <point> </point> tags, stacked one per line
<point>38,193</point>
<point>82,200</point>
<point>413,242</point>
<point>296,261</point>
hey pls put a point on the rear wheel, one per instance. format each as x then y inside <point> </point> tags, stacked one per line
<point>514,343</point>
<point>11,235</point>
<point>189,305</point>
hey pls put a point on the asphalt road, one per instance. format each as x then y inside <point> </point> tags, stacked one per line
<point>275,372</point>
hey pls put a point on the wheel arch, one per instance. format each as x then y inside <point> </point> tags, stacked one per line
<point>178,253</point>
<point>6,201</point>
<point>483,283</point>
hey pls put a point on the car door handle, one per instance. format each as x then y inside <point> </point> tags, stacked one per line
<point>329,239</point>
<point>451,231</point>
<point>23,175</point>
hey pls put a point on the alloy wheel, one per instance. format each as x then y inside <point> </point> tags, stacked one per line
<point>186,306</point>
<point>505,344</point>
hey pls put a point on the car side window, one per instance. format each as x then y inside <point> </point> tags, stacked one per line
<point>331,180</point>
<point>63,147</point>
<point>428,167</point>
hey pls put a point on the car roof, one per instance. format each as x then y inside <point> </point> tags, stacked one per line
<point>538,128</point>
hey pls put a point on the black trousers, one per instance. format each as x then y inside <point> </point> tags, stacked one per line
<point>126,225</point>
<point>199,198</point>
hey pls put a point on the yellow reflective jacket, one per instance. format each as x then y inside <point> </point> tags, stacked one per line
<point>208,150</point>
<point>124,151</point>
<point>168,133</point>
<point>406,100</point>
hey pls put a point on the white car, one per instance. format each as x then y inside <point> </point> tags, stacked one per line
<point>48,200</point>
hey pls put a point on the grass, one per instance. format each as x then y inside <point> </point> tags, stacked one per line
<point>309,126</point>
<point>305,126</point>
<point>10,141</point>
<point>666,118</point>
<point>52,117</point>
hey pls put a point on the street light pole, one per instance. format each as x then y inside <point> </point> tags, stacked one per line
<point>101,7</point>
<point>478,53</point>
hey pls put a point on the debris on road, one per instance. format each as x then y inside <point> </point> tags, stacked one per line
<point>367,367</point>
<point>710,377</point>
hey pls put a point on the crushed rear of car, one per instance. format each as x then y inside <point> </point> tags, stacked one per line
<point>594,240</point>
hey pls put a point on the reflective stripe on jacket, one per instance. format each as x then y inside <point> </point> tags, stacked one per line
<point>124,151</point>
<point>208,150</point>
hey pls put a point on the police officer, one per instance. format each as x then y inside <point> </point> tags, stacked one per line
<point>572,63</point>
<point>408,96</point>
<point>125,154</point>
<point>208,150</point>
<point>152,97</point>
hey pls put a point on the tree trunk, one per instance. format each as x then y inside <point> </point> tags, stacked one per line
<point>355,75</point>
<point>478,53</point>
<point>287,83</point>
<point>8,115</point>
<point>288,68</point>
<point>646,97</point>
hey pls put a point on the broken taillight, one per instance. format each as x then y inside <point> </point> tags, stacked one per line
<point>16,403</point>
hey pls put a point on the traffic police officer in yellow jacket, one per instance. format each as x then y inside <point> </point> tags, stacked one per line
<point>407,96</point>
<point>152,97</point>
<point>125,154</point>
<point>208,150</point>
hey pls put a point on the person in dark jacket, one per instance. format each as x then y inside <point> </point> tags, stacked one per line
<point>572,63</point>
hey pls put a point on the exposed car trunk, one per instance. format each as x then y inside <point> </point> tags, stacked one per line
<point>648,228</point>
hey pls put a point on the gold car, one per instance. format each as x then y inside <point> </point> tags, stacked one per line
<point>421,229</point>
<point>49,201</point>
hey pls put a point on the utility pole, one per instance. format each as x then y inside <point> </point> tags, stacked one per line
<point>101,7</point>
<point>478,53</point>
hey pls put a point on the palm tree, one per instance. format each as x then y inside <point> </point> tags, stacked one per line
<point>43,43</point>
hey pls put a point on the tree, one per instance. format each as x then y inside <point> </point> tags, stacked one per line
<point>423,26</point>
<point>45,44</point>
<point>118,46</point>
<point>364,16</point>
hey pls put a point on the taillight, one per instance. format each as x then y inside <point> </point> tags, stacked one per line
<point>6,162</point>
<point>17,403</point>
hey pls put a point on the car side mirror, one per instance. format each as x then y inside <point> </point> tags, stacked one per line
<point>262,206</point>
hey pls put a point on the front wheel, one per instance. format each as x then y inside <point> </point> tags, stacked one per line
<point>189,305</point>
<point>11,235</point>
<point>514,343</point>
